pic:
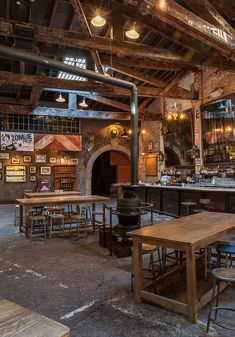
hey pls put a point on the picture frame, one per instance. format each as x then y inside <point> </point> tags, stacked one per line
<point>40,158</point>
<point>27,159</point>
<point>0,165</point>
<point>74,161</point>
<point>53,160</point>
<point>4,155</point>
<point>151,165</point>
<point>15,160</point>
<point>45,170</point>
<point>32,169</point>
<point>32,178</point>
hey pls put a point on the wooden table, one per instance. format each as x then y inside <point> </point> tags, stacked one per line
<point>185,234</point>
<point>27,203</point>
<point>17,321</point>
<point>50,194</point>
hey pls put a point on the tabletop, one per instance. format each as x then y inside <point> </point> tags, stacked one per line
<point>189,230</point>
<point>17,321</point>
<point>50,194</point>
<point>58,199</point>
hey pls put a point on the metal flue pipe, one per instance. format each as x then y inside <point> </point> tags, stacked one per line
<point>47,62</point>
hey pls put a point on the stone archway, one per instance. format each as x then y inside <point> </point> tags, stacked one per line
<point>174,148</point>
<point>95,155</point>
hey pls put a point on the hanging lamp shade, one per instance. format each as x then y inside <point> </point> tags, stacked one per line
<point>60,99</point>
<point>132,33</point>
<point>83,104</point>
<point>98,21</point>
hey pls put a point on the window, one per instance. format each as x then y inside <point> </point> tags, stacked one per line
<point>73,61</point>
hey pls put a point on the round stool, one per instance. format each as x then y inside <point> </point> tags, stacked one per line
<point>37,225</point>
<point>188,205</point>
<point>56,223</point>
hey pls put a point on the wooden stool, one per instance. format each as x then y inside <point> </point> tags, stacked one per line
<point>82,226</point>
<point>148,249</point>
<point>56,222</point>
<point>17,215</point>
<point>188,205</point>
<point>37,225</point>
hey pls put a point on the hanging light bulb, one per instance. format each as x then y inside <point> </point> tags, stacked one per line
<point>18,2</point>
<point>132,33</point>
<point>98,20</point>
<point>83,104</point>
<point>60,99</point>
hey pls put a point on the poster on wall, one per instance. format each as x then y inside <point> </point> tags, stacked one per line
<point>17,141</point>
<point>58,142</point>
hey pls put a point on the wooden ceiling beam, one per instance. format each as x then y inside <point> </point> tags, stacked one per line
<point>35,95</point>
<point>207,11</point>
<point>187,22</point>
<point>125,49</point>
<point>12,79</point>
<point>174,82</point>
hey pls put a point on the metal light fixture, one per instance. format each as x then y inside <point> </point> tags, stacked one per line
<point>83,104</point>
<point>98,20</point>
<point>60,99</point>
<point>132,33</point>
<point>175,115</point>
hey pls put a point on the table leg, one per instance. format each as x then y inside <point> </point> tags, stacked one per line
<point>21,218</point>
<point>93,215</point>
<point>192,299</point>
<point>138,269</point>
<point>27,222</point>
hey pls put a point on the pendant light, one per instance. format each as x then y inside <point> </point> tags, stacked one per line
<point>60,99</point>
<point>132,33</point>
<point>98,20</point>
<point>83,104</point>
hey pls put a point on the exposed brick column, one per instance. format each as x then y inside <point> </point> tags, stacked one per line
<point>198,137</point>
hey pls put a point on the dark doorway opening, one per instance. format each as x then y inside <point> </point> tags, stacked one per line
<point>109,168</point>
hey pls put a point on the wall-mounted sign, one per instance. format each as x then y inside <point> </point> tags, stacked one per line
<point>17,141</point>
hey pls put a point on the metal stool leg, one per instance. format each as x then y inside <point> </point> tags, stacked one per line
<point>211,305</point>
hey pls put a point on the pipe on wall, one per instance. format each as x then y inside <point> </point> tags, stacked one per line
<point>53,64</point>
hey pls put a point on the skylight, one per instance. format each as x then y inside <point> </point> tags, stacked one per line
<point>73,61</point>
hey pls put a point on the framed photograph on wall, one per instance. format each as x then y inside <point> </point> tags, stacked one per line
<point>151,165</point>
<point>0,165</point>
<point>53,160</point>
<point>40,158</point>
<point>32,169</point>
<point>15,160</point>
<point>27,159</point>
<point>45,170</point>
<point>4,155</point>
<point>74,161</point>
<point>32,178</point>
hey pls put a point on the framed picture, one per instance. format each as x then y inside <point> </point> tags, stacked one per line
<point>0,165</point>
<point>74,161</point>
<point>32,178</point>
<point>63,161</point>
<point>53,160</point>
<point>32,169</point>
<point>4,155</point>
<point>27,159</point>
<point>15,160</point>
<point>151,165</point>
<point>45,170</point>
<point>40,158</point>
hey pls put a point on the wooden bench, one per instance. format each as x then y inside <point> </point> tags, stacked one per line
<point>17,321</point>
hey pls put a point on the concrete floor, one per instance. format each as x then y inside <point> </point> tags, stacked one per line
<point>78,284</point>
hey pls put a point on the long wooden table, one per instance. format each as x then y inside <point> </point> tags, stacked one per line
<point>27,203</point>
<point>185,234</point>
<point>17,321</point>
<point>50,194</point>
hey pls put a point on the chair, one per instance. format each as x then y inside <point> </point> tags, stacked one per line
<point>221,274</point>
<point>37,225</point>
<point>148,249</point>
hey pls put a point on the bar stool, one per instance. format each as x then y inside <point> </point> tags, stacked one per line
<point>37,224</point>
<point>148,249</point>
<point>56,220</point>
<point>188,205</point>
<point>221,274</point>
<point>82,226</point>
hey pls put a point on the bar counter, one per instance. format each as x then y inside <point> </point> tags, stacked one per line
<point>167,199</point>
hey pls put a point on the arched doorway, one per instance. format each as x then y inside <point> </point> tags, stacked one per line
<point>109,167</point>
<point>172,158</point>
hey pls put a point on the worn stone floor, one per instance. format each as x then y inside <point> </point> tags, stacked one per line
<point>78,284</point>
